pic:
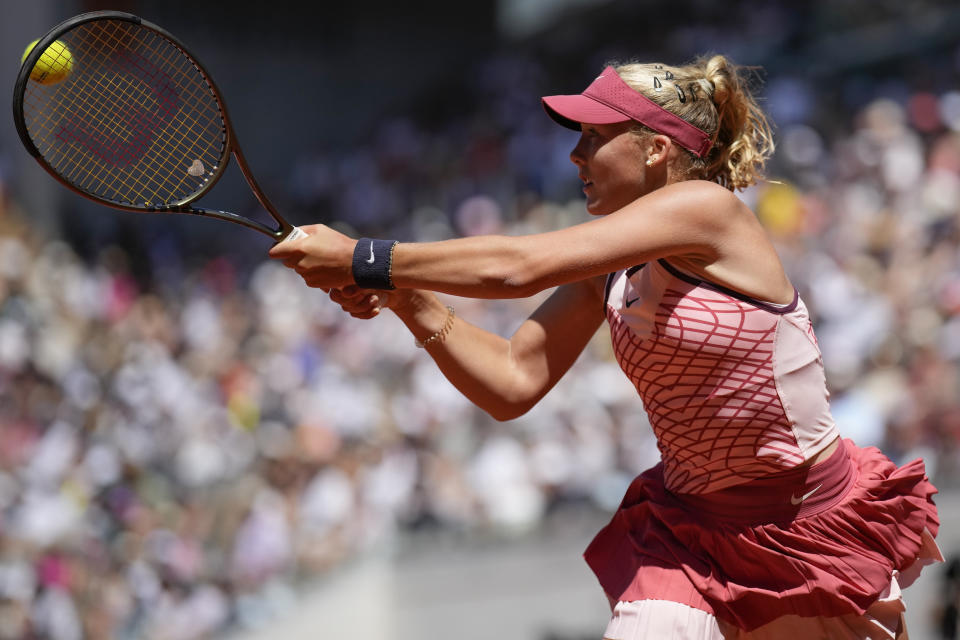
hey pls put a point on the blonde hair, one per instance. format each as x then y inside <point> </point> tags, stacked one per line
<point>711,93</point>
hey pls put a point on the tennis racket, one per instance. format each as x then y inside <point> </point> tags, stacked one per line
<point>135,123</point>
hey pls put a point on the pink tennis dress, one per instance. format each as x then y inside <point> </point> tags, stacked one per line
<point>731,523</point>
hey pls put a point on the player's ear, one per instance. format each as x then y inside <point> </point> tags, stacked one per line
<point>658,148</point>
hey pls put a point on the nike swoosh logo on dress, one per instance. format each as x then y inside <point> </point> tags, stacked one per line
<point>794,500</point>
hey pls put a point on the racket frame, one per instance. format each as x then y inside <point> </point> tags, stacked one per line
<point>184,205</point>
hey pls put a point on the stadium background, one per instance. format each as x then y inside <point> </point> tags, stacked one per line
<point>192,444</point>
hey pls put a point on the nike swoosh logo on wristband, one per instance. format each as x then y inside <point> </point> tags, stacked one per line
<point>371,258</point>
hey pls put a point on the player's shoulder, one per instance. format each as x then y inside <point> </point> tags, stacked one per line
<point>705,191</point>
<point>708,203</point>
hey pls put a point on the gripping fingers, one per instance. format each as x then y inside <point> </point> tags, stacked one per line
<point>359,304</point>
<point>366,307</point>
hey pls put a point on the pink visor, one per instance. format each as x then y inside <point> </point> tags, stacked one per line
<point>609,99</point>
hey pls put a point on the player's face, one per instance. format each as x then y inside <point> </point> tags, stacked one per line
<point>610,161</point>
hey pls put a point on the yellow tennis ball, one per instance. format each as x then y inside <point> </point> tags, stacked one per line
<point>54,64</point>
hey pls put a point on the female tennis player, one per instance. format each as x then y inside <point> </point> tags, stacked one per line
<point>760,521</point>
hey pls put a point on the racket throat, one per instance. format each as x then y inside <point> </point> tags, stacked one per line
<point>226,216</point>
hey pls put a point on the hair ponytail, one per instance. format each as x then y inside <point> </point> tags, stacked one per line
<point>713,94</point>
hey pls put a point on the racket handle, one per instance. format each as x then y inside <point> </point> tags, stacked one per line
<point>295,234</point>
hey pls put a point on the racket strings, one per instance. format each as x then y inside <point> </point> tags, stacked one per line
<point>135,122</point>
<point>142,122</point>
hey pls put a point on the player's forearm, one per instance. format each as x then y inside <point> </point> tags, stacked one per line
<point>478,363</point>
<point>478,267</point>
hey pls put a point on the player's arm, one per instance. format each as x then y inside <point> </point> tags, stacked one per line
<point>503,376</point>
<point>692,219</point>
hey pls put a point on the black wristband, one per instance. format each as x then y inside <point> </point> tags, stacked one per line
<point>372,263</point>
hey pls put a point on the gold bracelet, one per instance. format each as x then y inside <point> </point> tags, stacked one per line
<point>441,332</point>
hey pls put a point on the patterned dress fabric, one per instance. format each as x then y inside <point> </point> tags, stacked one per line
<point>731,522</point>
<point>734,387</point>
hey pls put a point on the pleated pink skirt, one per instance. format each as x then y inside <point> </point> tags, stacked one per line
<point>819,541</point>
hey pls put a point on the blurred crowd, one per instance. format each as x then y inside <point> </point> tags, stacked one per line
<point>179,454</point>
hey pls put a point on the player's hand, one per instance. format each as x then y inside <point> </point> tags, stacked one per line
<point>360,303</point>
<point>367,303</point>
<point>323,258</point>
